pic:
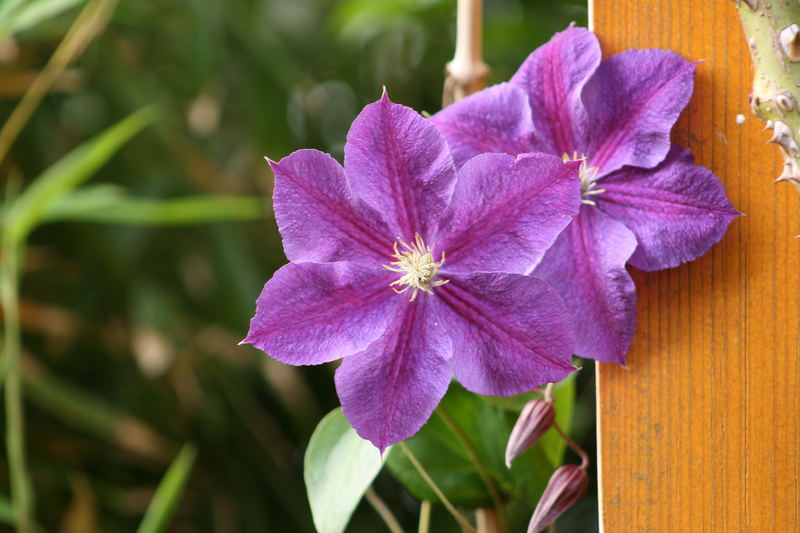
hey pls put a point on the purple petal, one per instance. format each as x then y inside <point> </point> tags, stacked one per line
<point>510,333</point>
<point>507,211</point>
<point>677,210</point>
<point>586,265</point>
<point>553,76</point>
<point>311,313</point>
<point>496,119</point>
<point>389,390</point>
<point>317,217</point>
<point>632,102</point>
<point>400,165</point>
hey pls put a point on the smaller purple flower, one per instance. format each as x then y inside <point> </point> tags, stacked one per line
<point>645,202</point>
<point>413,273</point>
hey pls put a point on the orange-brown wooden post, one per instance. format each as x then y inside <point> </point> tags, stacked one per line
<point>702,432</point>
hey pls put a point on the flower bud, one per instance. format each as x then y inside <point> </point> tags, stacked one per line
<point>565,489</point>
<point>535,419</point>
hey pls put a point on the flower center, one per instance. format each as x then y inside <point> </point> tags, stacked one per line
<point>415,263</point>
<point>588,177</point>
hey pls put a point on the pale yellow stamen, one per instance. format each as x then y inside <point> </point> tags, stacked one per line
<point>588,176</point>
<point>415,262</point>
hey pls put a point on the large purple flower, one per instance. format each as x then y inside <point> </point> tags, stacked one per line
<point>369,280</point>
<point>644,200</point>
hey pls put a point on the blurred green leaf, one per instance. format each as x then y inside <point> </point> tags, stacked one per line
<point>89,412</point>
<point>6,511</point>
<point>111,205</point>
<point>19,15</point>
<point>339,468</point>
<point>80,164</point>
<point>169,492</point>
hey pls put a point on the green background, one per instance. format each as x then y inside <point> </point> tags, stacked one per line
<point>132,330</point>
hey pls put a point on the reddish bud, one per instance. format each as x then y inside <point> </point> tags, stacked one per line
<point>567,486</point>
<point>535,419</point>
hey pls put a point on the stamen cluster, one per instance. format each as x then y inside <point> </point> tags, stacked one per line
<point>415,262</point>
<point>588,177</point>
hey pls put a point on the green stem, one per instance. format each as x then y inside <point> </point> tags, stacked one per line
<point>435,488</point>
<point>424,517</point>
<point>772,31</point>
<point>12,381</point>
<point>483,470</point>
<point>383,511</point>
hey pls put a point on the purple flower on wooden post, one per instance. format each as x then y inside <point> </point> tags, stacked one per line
<point>645,202</point>
<point>413,273</point>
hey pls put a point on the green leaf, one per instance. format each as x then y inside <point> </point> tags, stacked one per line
<point>111,205</point>
<point>486,422</point>
<point>339,468</point>
<point>445,458</point>
<point>19,15</point>
<point>80,164</point>
<point>169,492</point>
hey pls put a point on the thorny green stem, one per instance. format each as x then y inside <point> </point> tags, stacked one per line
<point>424,517</point>
<point>483,471</point>
<point>12,382</point>
<point>435,488</point>
<point>772,30</point>
<point>383,511</point>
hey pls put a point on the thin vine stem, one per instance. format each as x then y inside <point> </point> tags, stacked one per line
<point>12,383</point>
<point>435,488</point>
<point>424,517</point>
<point>572,444</point>
<point>383,511</point>
<point>483,470</point>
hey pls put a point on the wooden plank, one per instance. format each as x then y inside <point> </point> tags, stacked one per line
<point>700,434</point>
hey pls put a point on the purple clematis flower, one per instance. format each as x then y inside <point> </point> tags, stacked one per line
<point>369,281</point>
<point>645,202</point>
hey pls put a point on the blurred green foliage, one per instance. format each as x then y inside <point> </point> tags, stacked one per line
<point>130,331</point>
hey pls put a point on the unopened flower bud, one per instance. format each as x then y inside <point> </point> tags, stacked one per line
<point>567,486</point>
<point>535,419</point>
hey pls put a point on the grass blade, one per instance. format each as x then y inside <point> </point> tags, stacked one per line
<point>169,492</point>
<point>103,204</point>
<point>66,174</point>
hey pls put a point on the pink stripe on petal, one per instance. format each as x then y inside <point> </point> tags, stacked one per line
<point>312,313</point>
<point>389,390</point>
<point>496,119</point>
<point>316,214</point>
<point>510,333</point>
<point>677,210</point>
<point>553,77</point>
<point>586,265</point>
<point>507,211</point>
<point>632,102</point>
<point>399,164</point>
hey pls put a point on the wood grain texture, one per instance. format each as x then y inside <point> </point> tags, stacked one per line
<point>701,432</point>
